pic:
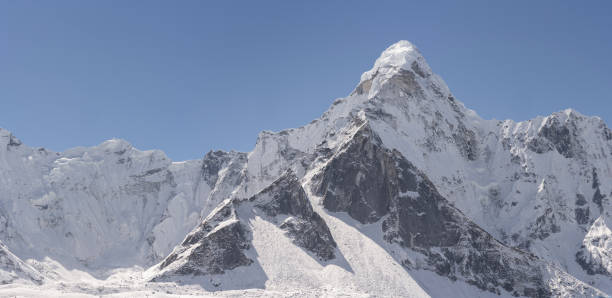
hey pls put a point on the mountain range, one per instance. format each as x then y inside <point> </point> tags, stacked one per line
<point>397,190</point>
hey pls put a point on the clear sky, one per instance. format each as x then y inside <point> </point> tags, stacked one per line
<point>190,76</point>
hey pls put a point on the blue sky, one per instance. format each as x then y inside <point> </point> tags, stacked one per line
<point>190,76</point>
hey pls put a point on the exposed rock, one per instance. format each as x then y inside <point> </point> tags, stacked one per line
<point>416,67</point>
<point>466,142</point>
<point>13,141</point>
<point>217,245</point>
<point>580,200</point>
<point>307,229</point>
<point>582,215</point>
<point>363,87</point>
<point>220,242</point>
<point>370,183</point>
<point>112,206</point>
<point>13,269</point>
<point>597,196</point>
<point>595,254</point>
<point>355,180</point>
<point>404,83</point>
<point>215,161</point>
<point>558,135</point>
<point>545,225</point>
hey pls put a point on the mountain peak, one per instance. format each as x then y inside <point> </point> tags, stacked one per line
<point>400,55</point>
<point>404,71</point>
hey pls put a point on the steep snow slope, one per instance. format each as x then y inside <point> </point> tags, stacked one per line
<point>221,242</point>
<point>255,253</point>
<point>539,187</point>
<point>532,185</point>
<point>104,207</point>
<point>378,185</point>
<point>14,270</point>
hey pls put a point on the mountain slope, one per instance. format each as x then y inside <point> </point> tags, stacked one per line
<point>14,270</point>
<point>372,183</point>
<point>398,189</point>
<point>221,241</point>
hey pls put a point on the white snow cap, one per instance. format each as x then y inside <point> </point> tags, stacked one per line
<point>400,55</point>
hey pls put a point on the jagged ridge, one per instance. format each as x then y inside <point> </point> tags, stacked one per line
<point>531,185</point>
<point>221,241</point>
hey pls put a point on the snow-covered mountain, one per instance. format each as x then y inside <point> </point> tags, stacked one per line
<point>397,190</point>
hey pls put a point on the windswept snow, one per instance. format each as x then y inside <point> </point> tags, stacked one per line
<point>98,220</point>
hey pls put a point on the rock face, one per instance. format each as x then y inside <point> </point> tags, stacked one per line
<point>372,183</point>
<point>221,241</point>
<point>286,198</point>
<point>554,135</point>
<point>83,207</point>
<point>595,254</point>
<point>509,207</point>
<point>216,245</point>
<point>14,270</point>
<point>360,186</point>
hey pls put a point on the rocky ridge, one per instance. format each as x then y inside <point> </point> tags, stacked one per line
<point>482,202</point>
<point>222,240</point>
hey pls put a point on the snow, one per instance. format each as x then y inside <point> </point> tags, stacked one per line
<point>99,216</point>
<point>409,194</point>
<point>598,244</point>
<point>399,55</point>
